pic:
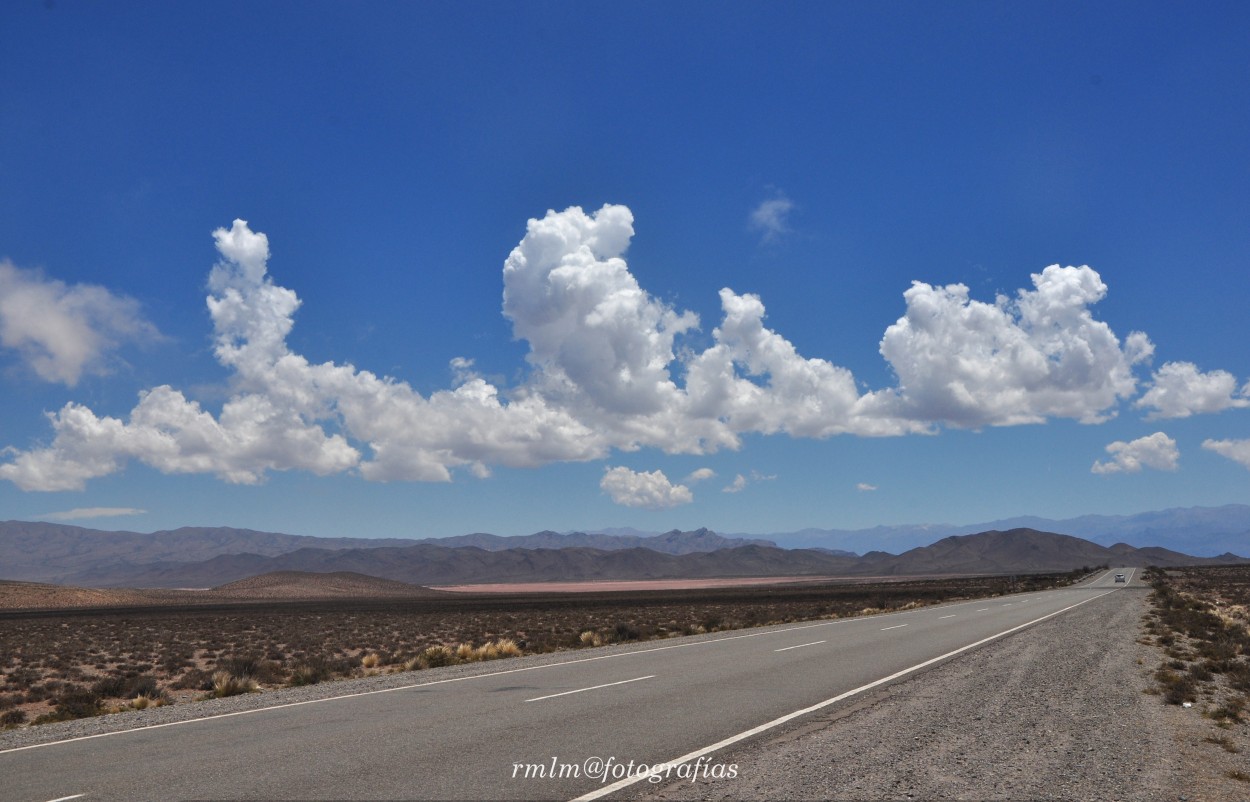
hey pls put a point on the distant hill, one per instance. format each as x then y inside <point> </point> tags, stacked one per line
<point>1013,551</point>
<point>672,542</point>
<point>46,552</point>
<point>1202,531</point>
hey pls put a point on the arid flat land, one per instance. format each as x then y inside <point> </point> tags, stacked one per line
<point>610,585</point>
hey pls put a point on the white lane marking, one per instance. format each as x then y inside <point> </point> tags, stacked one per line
<point>591,688</point>
<point>742,736</point>
<point>896,626</point>
<point>952,615</point>
<point>800,646</point>
<point>983,609</point>
<point>486,675</point>
<point>66,798</point>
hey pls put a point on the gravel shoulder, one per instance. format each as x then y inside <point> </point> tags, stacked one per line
<point>1057,711</point>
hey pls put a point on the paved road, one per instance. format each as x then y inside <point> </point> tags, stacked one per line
<point>477,737</point>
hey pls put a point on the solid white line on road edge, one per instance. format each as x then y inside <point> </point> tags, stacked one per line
<point>952,615</point>
<point>474,676</point>
<point>592,688</point>
<point>896,626</point>
<point>742,736</point>
<point>66,798</point>
<point>800,646</point>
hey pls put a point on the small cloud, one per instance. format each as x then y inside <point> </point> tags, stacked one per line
<point>1156,451</point>
<point>650,490</point>
<point>701,475</point>
<point>770,217</point>
<point>740,481</point>
<point>93,512</point>
<point>462,370</point>
<point>1236,450</point>
<point>864,487</point>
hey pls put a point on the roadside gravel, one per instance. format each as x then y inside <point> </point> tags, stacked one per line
<point>1057,711</point>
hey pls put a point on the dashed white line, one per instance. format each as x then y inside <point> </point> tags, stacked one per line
<point>66,798</point>
<point>952,615</point>
<point>592,688</point>
<point>896,626</point>
<point>801,645</point>
<point>983,609</point>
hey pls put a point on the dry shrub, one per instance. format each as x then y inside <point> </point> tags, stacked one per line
<point>436,656</point>
<point>12,718</point>
<point>227,684</point>
<point>506,647</point>
<point>371,660</point>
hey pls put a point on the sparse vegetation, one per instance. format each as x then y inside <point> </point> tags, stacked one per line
<point>1200,621</point>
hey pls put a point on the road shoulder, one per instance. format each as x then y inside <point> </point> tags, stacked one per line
<point>1057,711</point>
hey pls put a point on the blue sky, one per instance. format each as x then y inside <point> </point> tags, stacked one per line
<point>716,324</point>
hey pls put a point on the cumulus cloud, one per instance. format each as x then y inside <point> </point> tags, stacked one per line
<point>610,368</point>
<point>1179,389</point>
<point>1042,355</point>
<point>648,489</point>
<point>1236,450</point>
<point>62,331</point>
<point>93,512</point>
<point>290,414</point>
<point>1156,451</point>
<point>771,217</point>
<point>864,487</point>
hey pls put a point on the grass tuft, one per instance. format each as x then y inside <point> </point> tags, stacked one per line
<point>227,684</point>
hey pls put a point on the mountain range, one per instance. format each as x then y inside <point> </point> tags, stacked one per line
<point>1203,531</point>
<point>90,558</point>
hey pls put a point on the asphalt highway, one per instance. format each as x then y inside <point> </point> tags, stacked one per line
<point>502,735</point>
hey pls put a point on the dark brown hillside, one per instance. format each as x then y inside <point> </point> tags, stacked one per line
<point>1026,550</point>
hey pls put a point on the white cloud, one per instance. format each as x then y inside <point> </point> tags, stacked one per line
<point>1179,389</point>
<point>740,481</point>
<point>864,487</point>
<point>61,330</point>
<point>1236,450</point>
<point>700,475</point>
<point>1156,451</point>
<point>970,364</point>
<point>610,368</point>
<point>771,217</point>
<point>277,419</point>
<point>93,512</point>
<point>651,490</point>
